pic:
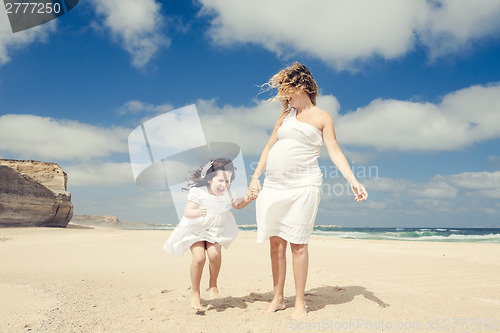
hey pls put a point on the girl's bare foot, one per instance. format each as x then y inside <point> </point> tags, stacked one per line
<point>299,312</point>
<point>275,305</point>
<point>213,292</point>
<point>196,301</point>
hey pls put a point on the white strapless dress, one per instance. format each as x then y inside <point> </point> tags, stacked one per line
<point>289,199</point>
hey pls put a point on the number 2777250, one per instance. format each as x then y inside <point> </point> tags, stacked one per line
<point>33,8</point>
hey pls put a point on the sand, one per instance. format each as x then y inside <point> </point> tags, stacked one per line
<point>109,280</point>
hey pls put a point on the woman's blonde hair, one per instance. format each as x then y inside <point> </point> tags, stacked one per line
<point>291,80</point>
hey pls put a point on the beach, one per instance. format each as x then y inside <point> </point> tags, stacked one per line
<point>82,279</point>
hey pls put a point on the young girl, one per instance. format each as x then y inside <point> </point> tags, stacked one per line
<point>207,223</point>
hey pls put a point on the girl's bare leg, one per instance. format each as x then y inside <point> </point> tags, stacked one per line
<point>278,264</point>
<point>300,259</point>
<point>198,252</point>
<point>214,258</point>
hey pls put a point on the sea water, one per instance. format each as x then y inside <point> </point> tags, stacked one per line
<point>472,235</point>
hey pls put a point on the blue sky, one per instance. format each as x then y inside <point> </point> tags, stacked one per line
<point>413,88</point>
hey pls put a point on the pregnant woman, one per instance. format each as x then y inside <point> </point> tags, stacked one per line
<point>287,205</point>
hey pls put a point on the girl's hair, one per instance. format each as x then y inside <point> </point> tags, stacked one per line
<point>292,79</point>
<point>198,179</point>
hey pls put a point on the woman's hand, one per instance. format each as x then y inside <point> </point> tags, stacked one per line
<point>254,188</point>
<point>359,191</point>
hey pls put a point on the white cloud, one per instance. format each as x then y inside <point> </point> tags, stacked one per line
<point>493,158</point>
<point>343,32</point>
<point>473,180</point>
<point>136,24</point>
<point>432,190</point>
<point>10,41</point>
<point>375,205</point>
<point>455,23</point>
<point>399,187</point>
<point>422,206</point>
<point>463,117</point>
<point>482,184</point>
<point>34,137</point>
<point>248,127</point>
<point>472,184</point>
<point>137,107</point>
<point>99,174</point>
<point>491,193</point>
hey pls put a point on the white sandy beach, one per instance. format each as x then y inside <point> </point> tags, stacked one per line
<point>109,280</point>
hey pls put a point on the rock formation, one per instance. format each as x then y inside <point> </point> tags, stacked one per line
<point>33,194</point>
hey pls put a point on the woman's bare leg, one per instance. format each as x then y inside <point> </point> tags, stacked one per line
<point>214,258</point>
<point>300,259</point>
<point>278,264</point>
<point>198,252</point>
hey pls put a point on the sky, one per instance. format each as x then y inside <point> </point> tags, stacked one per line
<point>413,88</point>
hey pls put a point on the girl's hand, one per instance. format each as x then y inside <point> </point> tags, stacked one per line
<point>359,191</point>
<point>241,203</point>
<point>202,211</point>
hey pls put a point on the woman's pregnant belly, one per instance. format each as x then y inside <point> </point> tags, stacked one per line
<point>291,163</point>
<point>289,153</point>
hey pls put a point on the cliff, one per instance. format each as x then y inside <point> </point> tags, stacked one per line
<point>33,194</point>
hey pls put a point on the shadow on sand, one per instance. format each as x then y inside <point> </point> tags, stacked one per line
<point>316,298</point>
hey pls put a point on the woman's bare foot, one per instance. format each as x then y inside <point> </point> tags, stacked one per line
<point>275,305</point>
<point>213,292</point>
<point>299,312</point>
<point>196,301</point>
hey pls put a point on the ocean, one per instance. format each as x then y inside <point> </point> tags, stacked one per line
<point>464,235</point>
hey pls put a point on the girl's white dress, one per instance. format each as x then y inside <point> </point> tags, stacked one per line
<point>289,199</point>
<point>218,226</point>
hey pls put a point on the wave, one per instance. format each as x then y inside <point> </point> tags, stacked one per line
<point>418,234</point>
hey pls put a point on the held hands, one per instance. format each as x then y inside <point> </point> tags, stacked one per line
<point>252,196</point>
<point>242,202</point>
<point>253,189</point>
<point>359,191</point>
<point>249,198</point>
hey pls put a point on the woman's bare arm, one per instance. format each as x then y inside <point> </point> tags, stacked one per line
<point>339,159</point>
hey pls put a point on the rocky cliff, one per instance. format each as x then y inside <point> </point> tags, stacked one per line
<point>33,194</point>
